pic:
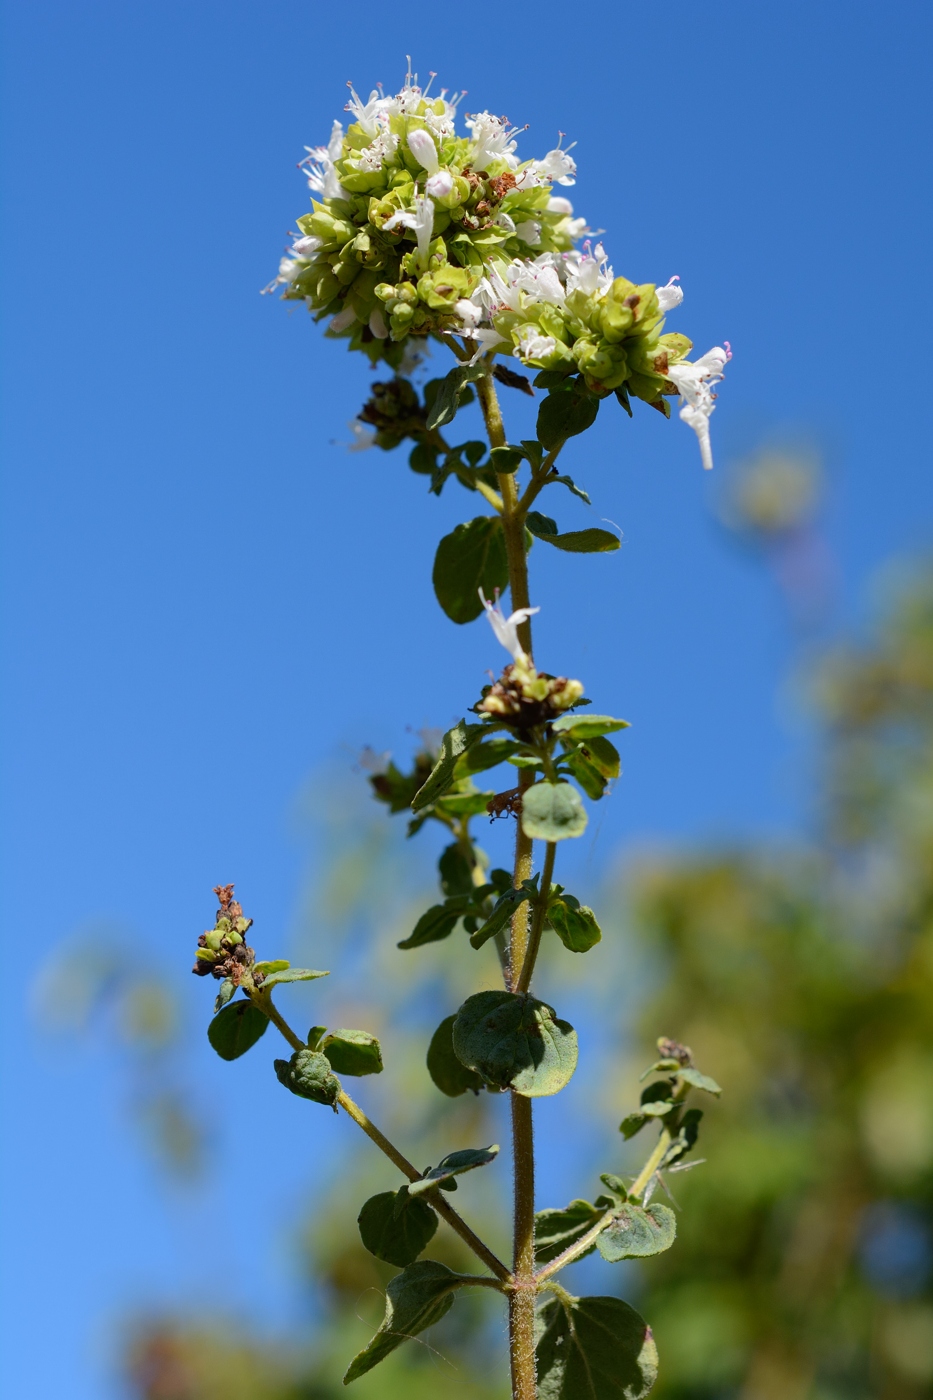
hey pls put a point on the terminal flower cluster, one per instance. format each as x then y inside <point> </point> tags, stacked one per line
<point>417,231</point>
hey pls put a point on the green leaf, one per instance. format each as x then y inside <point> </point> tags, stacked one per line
<point>699,1081</point>
<point>506,460</point>
<point>395,1227</point>
<point>659,1092</point>
<point>592,541</point>
<point>266,967</point>
<point>565,413</point>
<point>353,1052</point>
<point>447,399</point>
<point>314,1036</point>
<point>501,915</point>
<point>595,1349</point>
<point>450,1076</point>
<point>556,1230</point>
<point>454,743</point>
<point>485,755</point>
<point>574,923</point>
<point>637,1231</point>
<point>415,1299</point>
<point>454,1164</point>
<point>471,557</point>
<point>632,1124</point>
<point>236,1028</point>
<point>578,765</point>
<point>515,1042</point>
<point>615,1184</point>
<point>308,1074</point>
<point>225,993</point>
<point>579,727</point>
<point>552,812</point>
<point>455,871</point>
<point>571,486</point>
<point>439,922</point>
<point>292,974</point>
<point>550,378</point>
<point>686,1137</point>
<point>463,804</point>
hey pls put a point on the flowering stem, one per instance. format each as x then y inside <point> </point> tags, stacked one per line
<point>446,1211</point>
<point>522,1297</point>
<point>643,1179</point>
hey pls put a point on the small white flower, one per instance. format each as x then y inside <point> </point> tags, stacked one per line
<point>421,219</point>
<point>421,144</point>
<point>363,437</point>
<point>558,205</point>
<point>506,628</point>
<point>558,165</point>
<point>485,340</point>
<point>670,296</point>
<point>470,314</point>
<point>439,186</point>
<point>320,168</point>
<point>379,152</point>
<point>377,324</point>
<point>342,320</point>
<point>695,385</point>
<point>529,232</point>
<point>535,346</point>
<point>492,140</point>
<point>369,114</point>
<point>306,247</point>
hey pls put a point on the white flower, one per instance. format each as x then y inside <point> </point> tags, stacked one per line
<point>306,247</point>
<point>670,296</point>
<point>506,628</point>
<point>379,152</point>
<point>343,320</point>
<point>492,140</point>
<point>558,205</point>
<point>534,346</point>
<point>421,144</point>
<point>363,437</point>
<point>319,165</point>
<point>695,385</point>
<point>485,340</point>
<point>529,232</point>
<point>439,186</point>
<point>588,271</point>
<point>558,165</point>
<point>377,324</point>
<point>370,115</point>
<point>421,219</point>
<point>470,314</point>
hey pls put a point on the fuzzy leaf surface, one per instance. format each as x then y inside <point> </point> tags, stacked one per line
<point>637,1231</point>
<point>598,1349</point>
<point>415,1299</point>
<point>450,1075</point>
<point>236,1028</point>
<point>556,1230</point>
<point>395,1229</point>
<point>309,1075</point>
<point>454,743</point>
<point>552,812</point>
<point>515,1042</point>
<point>454,1164</point>
<point>353,1052</point>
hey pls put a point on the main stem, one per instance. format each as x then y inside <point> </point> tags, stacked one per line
<point>524,1287</point>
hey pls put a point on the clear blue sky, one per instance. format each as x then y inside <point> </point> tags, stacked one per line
<point>205,599</point>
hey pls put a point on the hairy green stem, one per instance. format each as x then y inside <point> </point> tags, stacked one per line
<point>522,1298</point>
<point>537,923</point>
<point>444,1209</point>
<point>575,1250</point>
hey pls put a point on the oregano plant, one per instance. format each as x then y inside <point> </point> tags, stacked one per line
<point>417,234</point>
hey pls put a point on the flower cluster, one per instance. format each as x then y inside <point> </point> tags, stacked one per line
<point>417,231</point>
<point>222,950</point>
<point>523,697</point>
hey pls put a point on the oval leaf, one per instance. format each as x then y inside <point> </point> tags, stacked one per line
<point>574,923</point>
<point>449,1074</point>
<point>395,1227</point>
<point>699,1081</point>
<point>415,1299</point>
<point>455,1164</point>
<point>353,1052</point>
<point>587,726</point>
<point>592,541</point>
<point>637,1231</point>
<point>454,743</point>
<point>471,557</point>
<point>515,1042</point>
<point>308,1074</point>
<point>565,413</point>
<point>236,1028</point>
<point>439,922</point>
<point>552,812</point>
<point>595,1349</point>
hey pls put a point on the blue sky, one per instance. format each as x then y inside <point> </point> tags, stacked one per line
<point>206,599</point>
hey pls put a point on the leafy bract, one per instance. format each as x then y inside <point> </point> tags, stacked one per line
<point>574,923</point>
<point>594,1349</point>
<point>292,974</point>
<point>236,1028</point>
<point>309,1075</point>
<point>471,557</point>
<point>415,1299</point>
<point>515,1042</point>
<point>552,812</point>
<point>353,1052</point>
<point>453,1165</point>
<point>591,541</point>
<point>396,1227</point>
<point>587,726</point>
<point>449,1074</point>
